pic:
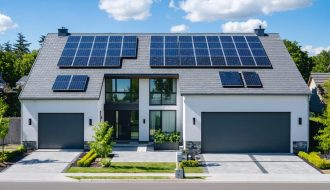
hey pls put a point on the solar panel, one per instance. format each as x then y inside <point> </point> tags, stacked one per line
<point>98,51</point>
<point>252,80</point>
<point>78,83</point>
<point>61,83</point>
<point>231,79</point>
<point>200,51</point>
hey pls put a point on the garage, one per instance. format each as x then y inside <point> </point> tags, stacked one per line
<point>245,132</point>
<point>61,131</point>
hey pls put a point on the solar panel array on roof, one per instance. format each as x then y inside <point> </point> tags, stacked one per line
<point>76,83</point>
<point>234,79</point>
<point>97,51</point>
<point>208,51</point>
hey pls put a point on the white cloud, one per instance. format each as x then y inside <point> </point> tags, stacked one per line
<point>315,50</point>
<point>243,27</point>
<point>123,10</point>
<point>173,5</point>
<point>179,28</point>
<point>211,10</point>
<point>6,23</point>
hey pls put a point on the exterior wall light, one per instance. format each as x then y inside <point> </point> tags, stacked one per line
<point>300,121</point>
<point>30,121</point>
<point>194,121</point>
<point>144,121</point>
<point>90,122</point>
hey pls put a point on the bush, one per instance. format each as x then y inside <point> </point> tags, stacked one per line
<point>89,161</point>
<point>161,137</point>
<point>315,159</point>
<point>102,139</point>
<point>105,162</point>
<point>189,163</point>
<point>10,155</point>
<point>81,162</point>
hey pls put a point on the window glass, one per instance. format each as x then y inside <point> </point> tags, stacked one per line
<point>155,122</point>
<point>164,120</point>
<point>163,91</point>
<point>123,85</point>
<point>168,121</point>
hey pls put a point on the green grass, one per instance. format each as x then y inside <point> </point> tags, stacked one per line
<point>10,147</point>
<point>130,177</point>
<point>118,177</point>
<point>134,167</point>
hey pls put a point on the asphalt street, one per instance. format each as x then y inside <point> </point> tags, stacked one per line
<point>133,185</point>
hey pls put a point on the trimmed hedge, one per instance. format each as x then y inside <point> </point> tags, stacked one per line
<point>189,163</point>
<point>10,155</point>
<point>315,160</point>
<point>87,160</point>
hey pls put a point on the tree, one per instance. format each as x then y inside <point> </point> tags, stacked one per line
<point>323,136</point>
<point>322,62</point>
<point>4,126</point>
<point>102,139</point>
<point>7,47</point>
<point>42,39</point>
<point>23,65</point>
<point>21,46</point>
<point>300,57</point>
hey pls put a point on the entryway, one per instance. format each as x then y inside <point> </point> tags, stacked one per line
<point>125,123</point>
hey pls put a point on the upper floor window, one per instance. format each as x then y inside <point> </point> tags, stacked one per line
<point>121,90</point>
<point>162,92</point>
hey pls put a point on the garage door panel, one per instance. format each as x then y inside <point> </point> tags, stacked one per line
<point>61,130</point>
<point>246,132</point>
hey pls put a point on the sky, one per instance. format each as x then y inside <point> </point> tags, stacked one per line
<point>306,21</point>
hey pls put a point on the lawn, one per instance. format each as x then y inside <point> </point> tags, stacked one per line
<point>134,167</point>
<point>130,177</point>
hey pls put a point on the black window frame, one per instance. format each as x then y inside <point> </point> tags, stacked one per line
<point>131,92</point>
<point>161,118</point>
<point>162,93</point>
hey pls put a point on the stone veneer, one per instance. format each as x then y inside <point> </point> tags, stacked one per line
<point>193,148</point>
<point>30,145</point>
<point>299,146</point>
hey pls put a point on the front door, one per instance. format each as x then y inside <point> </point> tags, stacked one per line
<point>126,124</point>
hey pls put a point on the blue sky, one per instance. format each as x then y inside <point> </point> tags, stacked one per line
<point>306,21</point>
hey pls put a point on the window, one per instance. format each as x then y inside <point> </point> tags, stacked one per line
<point>162,92</point>
<point>164,120</point>
<point>122,91</point>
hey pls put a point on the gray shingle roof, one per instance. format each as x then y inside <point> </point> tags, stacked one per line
<point>284,78</point>
<point>319,78</point>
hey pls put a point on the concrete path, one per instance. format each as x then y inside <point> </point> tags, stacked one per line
<point>218,164</point>
<point>44,161</point>
<point>142,154</point>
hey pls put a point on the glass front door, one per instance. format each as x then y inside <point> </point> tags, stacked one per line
<point>126,124</point>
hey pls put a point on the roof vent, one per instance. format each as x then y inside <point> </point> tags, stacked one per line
<point>259,31</point>
<point>63,31</point>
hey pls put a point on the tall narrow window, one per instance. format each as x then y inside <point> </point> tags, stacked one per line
<point>163,92</point>
<point>163,120</point>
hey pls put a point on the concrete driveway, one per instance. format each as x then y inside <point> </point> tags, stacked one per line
<point>45,161</point>
<point>256,164</point>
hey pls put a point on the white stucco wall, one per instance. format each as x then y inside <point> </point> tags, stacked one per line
<point>193,106</point>
<point>31,108</point>
<point>144,109</point>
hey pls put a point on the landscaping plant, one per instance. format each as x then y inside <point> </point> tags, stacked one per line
<point>102,144</point>
<point>315,159</point>
<point>4,127</point>
<point>323,136</point>
<point>162,137</point>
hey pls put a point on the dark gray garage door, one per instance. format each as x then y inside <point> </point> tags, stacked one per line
<point>61,130</point>
<point>246,132</point>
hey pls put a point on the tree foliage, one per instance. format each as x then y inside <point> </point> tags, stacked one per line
<point>322,62</point>
<point>303,61</point>
<point>16,61</point>
<point>323,136</point>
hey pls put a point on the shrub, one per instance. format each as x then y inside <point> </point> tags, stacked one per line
<point>315,159</point>
<point>189,163</point>
<point>89,161</point>
<point>102,139</point>
<point>80,163</point>
<point>105,162</point>
<point>10,155</point>
<point>161,137</point>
